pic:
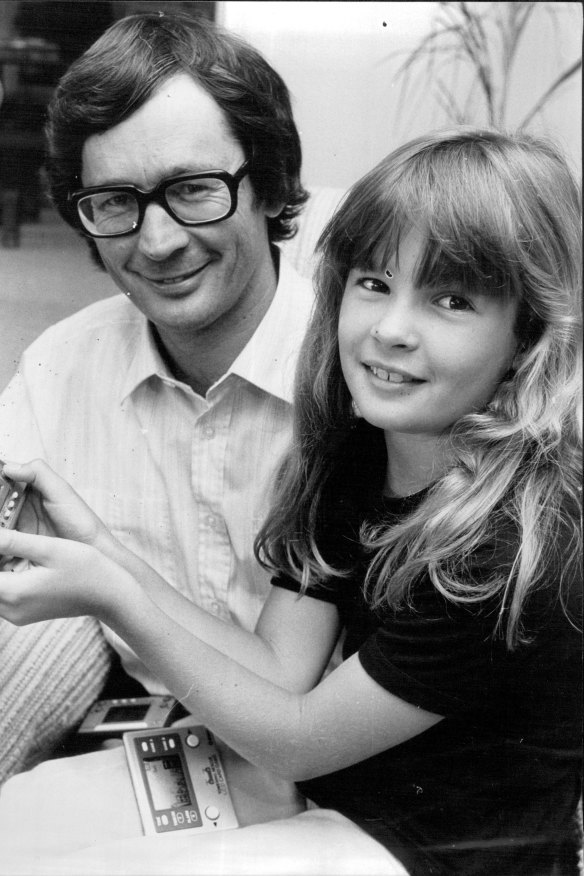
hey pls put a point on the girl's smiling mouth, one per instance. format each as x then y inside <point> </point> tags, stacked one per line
<point>390,376</point>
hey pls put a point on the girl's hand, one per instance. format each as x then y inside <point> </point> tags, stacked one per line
<point>53,507</point>
<point>65,579</point>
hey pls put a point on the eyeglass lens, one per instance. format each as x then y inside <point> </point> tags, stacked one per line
<point>191,200</point>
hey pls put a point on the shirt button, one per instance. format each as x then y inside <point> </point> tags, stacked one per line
<point>215,607</point>
<point>211,521</point>
<point>209,432</point>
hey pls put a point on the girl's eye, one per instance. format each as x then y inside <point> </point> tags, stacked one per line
<point>373,285</point>
<point>455,302</point>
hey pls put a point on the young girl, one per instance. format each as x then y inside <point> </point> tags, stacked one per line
<point>428,507</point>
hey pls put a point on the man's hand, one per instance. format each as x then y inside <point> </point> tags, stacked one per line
<point>53,507</point>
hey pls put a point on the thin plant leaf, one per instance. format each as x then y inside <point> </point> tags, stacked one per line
<point>482,41</point>
<point>561,79</point>
<point>511,29</point>
<point>447,101</point>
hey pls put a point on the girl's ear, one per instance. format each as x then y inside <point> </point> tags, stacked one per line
<point>515,362</point>
<point>518,357</point>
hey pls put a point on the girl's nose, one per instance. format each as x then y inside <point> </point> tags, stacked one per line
<point>398,325</point>
<point>159,235</point>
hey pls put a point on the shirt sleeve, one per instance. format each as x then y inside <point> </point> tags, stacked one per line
<point>20,438</point>
<point>431,656</point>
<point>323,592</point>
<point>443,657</point>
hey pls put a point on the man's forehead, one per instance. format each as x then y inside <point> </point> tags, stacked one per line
<point>179,129</point>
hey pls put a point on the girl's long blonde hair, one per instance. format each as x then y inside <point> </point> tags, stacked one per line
<point>500,213</point>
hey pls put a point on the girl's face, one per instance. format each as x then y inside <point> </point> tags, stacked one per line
<point>417,359</point>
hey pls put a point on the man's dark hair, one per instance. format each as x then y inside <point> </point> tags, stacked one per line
<point>123,68</point>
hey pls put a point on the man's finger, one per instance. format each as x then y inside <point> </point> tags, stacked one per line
<point>40,475</point>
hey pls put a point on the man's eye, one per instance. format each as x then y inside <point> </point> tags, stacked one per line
<point>196,190</point>
<point>191,190</point>
<point>373,285</point>
<point>454,302</point>
<point>112,202</point>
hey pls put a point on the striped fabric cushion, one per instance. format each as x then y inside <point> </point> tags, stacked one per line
<point>50,673</point>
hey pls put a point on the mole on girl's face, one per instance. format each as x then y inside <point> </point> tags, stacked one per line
<point>417,359</point>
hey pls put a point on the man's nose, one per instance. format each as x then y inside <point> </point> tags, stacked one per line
<point>159,235</point>
<point>398,325</point>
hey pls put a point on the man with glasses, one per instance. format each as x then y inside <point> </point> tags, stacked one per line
<point>193,199</point>
<point>173,150</point>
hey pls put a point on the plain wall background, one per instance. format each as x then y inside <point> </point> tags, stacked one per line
<point>334,58</point>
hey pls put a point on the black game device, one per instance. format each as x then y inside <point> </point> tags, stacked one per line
<point>12,496</point>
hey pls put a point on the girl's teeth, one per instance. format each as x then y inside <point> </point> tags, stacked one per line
<point>391,377</point>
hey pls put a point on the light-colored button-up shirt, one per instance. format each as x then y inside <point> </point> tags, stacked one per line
<point>183,481</point>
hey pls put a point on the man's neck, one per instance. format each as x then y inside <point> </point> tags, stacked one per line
<point>201,358</point>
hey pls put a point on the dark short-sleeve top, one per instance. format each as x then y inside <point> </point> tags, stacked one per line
<point>492,788</point>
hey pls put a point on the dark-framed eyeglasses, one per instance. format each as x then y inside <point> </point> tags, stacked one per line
<point>193,199</point>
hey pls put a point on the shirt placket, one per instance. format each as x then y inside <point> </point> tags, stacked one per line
<point>209,452</point>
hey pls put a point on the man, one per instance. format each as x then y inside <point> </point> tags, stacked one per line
<point>172,148</point>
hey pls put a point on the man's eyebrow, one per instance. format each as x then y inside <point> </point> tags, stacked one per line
<point>185,170</point>
<point>178,170</point>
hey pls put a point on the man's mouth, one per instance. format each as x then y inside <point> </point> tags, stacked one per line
<point>393,376</point>
<point>170,280</point>
<point>177,278</point>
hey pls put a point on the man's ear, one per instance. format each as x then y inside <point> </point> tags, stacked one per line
<point>272,212</point>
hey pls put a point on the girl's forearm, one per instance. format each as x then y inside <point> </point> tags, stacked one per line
<point>241,645</point>
<point>345,718</point>
<point>257,718</point>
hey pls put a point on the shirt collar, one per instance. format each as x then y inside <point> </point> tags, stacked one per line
<point>269,358</point>
<point>144,360</point>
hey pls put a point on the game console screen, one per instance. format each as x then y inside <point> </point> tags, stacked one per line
<point>132,712</point>
<point>167,782</point>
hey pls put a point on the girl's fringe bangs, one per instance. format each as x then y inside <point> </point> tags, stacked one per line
<point>469,247</point>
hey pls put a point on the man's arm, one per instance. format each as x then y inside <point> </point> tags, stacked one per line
<point>51,672</point>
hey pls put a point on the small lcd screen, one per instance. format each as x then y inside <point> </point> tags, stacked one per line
<point>167,782</point>
<point>131,712</point>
